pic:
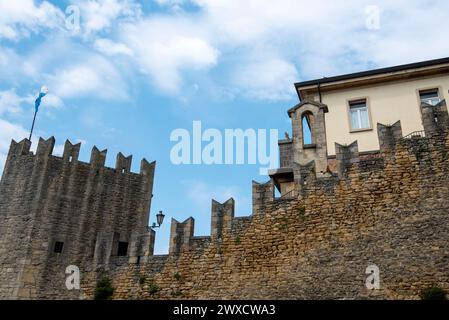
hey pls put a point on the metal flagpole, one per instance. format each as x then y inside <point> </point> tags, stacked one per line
<point>32,126</point>
<point>37,103</point>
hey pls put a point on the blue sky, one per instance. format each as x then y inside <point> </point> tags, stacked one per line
<point>134,71</point>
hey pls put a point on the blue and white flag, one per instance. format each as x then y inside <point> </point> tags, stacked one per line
<point>42,94</point>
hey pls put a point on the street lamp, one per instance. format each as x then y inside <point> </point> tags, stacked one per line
<point>160,219</point>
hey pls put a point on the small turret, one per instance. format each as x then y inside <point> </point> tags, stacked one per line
<point>435,118</point>
<point>97,157</point>
<point>263,193</point>
<point>389,136</point>
<point>346,157</point>
<point>20,148</point>
<point>312,113</point>
<point>123,164</point>
<point>180,235</point>
<point>222,215</point>
<point>71,152</point>
<point>45,147</point>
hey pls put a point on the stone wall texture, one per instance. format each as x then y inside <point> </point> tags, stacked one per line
<point>89,208</point>
<point>391,213</point>
<point>390,210</point>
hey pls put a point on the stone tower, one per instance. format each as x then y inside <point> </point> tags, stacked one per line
<point>298,157</point>
<point>304,153</point>
<point>59,211</point>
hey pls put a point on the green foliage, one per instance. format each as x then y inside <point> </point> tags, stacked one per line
<point>142,280</point>
<point>284,223</point>
<point>433,293</point>
<point>302,213</point>
<point>153,288</point>
<point>178,276</point>
<point>238,240</point>
<point>104,289</point>
<point>176,294</point>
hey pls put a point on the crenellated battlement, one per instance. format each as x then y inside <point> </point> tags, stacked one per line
<point>389,136</point>
<point>74,212</point>
<point>181,234</point>
<point>262,193</point>
<point>95,217</point>
<point>71,156</point>
<point>378,208</point>
<point>97,157</point>
<point>346,156</point>
<point>299,179</point>
<point>304,178</point>
<point>222,215</point>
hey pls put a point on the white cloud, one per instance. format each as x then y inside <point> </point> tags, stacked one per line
<point>170,2</point>
<point>95,77</point>
<point>322,38</point>
<point>166,47</point>
<point>202,193</point>
<point>249,22</point>
<point>111,48</point>
<point>70,70</point>
<point>270,79</point>
<point>9,131</point>
<point>98,15</point>
<point>281,43</point>
<point>12,66</point>
<point>10,102</point>
<point>20,18</point>
<point>58,149</point>
<point>51,100</point>
<point>174,5</point>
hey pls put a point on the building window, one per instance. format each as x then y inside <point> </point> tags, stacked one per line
<point>58,247</point>
<point>122,248</point>
<point>307,123</point>
<point>431,96</point>
<point>359,115</point>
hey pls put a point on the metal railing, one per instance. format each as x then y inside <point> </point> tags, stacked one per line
<point>416,134</point>
<point>289,195</point>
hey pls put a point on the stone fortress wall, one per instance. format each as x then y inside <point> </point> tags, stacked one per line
<point>389,209</point>
<point>84,210</point>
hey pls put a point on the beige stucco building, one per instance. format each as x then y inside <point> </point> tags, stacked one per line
<point>341,118</point>
<point>357,102</point>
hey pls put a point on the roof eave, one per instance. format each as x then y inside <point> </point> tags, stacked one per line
<point>350,76</point>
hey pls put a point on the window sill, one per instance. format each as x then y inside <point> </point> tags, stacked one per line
<point>309,146</point>
<point>361,130</point>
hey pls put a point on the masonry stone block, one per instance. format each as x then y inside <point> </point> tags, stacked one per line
<point>262,194</point>
<point>316,151</point>
<point>389,136</point>
<point>347,156</point>
<point>71,151</point>
<point>222,215</point>
<point>180,235</point>
<point>54,215</point>
<point>123,164</point>
<point>435,118</point>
